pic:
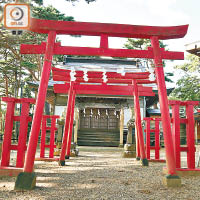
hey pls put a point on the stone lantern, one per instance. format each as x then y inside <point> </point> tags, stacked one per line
<point>130,147</point>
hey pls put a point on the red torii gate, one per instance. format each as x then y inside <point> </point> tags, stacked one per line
<point>103,89</point>
<point>52,28</point>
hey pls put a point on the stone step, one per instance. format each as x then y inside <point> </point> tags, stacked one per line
<point>100,133</point>
<point>88,132</point>
<point>98,138</point>
<point>100,143</point>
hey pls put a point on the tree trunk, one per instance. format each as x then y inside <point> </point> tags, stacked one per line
<point>6,85</point>
<point>1,125</point>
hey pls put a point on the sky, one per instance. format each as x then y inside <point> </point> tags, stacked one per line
<point>136,12</point>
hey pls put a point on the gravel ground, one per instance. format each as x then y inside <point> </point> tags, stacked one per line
<point>100,173</point>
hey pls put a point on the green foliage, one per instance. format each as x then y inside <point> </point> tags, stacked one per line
<point>143,44</point>
<point>188,86</point>
<point>88,1</point>
<point>167,76</point>
<point>16,68</point>
<point>137,43</point>
<point>50,13</point>
<point>40,2</point>
<point>27,92</point>
<point>192,64</point>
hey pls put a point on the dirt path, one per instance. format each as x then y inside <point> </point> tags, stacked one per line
<point>101,174</point>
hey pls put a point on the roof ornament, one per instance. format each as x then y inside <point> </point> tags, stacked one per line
<point>85,75</point>
<point>152,75</point>
<point>104,75</point>
<point>121,71</point>
<point>72,74</point>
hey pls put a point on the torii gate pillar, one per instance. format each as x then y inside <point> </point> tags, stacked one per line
<point>26,180</point>
<point>138,123</point>
<point>171,179</point>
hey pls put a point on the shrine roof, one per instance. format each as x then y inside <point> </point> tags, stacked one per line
<point>97,64</point>
<point>153,111</point>
<point>100,61</point>
<point>193,48</point>
<point>152,100</point>
<point>51,83</point>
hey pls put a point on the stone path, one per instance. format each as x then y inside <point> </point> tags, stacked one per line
<point>100,173</point>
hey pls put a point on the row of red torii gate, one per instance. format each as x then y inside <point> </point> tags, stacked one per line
<point>129,84</point>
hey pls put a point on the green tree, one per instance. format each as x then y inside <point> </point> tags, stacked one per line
<point>88,1</point>
<point>16,68</point>
<point>192,64</point>
<point>142,44</point>
<point>188,86</point>
<point>50,13</point>
<point>40,2</point>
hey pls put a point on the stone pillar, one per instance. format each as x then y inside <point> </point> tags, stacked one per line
<point>129,135</point>
<point>76,126</point>
<point>60,130</point>
<point>59,137</point>
<point>73,150</point>
<point>131,125</point>
<point>121,127</point>
<point>129,147</point>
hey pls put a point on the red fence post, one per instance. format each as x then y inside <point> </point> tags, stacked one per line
<point>190,135</point>
<point>189,121</point>
<point>23,129</point>
<point>156,131</point>
<point>52,136</point>
<point>148,151</point>
<point>164,107</point>
<point>43,137</point>
<point>71,126</point>
<point>176,130</point>
<point>52,128</point>
<point>139,125</point>
<point>5,160</point>
<point>67,125</point>
<point>24,118</point>
<point>157,139</point>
